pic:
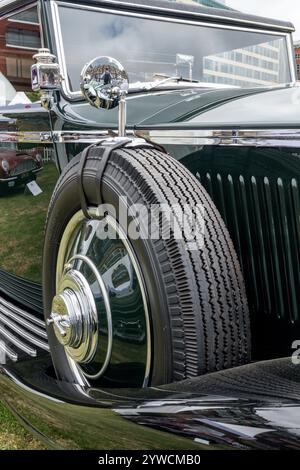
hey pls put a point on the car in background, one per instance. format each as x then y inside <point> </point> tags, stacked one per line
<point>18,167</point>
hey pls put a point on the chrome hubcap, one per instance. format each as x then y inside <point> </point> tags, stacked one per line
<point>74,316</point>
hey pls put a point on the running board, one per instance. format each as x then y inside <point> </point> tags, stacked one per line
<point>21,333</point>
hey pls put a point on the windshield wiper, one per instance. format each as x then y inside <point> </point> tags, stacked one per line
<point>168,79</point>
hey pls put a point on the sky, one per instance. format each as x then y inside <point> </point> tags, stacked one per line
<point>287,10</point>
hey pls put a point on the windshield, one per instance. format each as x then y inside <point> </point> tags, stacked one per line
<point>153,49</point>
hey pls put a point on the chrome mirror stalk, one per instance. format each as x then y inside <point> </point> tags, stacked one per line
<point>122,115</point>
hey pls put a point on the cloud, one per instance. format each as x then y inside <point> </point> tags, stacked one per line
<point>287,10</point>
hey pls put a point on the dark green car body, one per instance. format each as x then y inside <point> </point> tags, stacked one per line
<point>243,144</point>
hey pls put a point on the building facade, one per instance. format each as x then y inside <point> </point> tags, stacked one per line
<point>297,57</point>
<point>256,65</point>
<point>19,40</point>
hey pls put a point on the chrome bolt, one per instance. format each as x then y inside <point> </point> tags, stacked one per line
<point>56,319</point>
<point>68,266</point>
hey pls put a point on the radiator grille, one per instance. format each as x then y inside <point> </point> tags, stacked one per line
<point>263,217</point>
<point>21,333</point>
<point>23,167</point>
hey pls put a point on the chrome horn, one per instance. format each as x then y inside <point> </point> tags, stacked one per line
<point>104,84</point>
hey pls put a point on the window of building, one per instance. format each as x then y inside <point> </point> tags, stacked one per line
<point>18,67</point>
<point>27,16</point>
<point>24,38</point>
<point>20,40</point>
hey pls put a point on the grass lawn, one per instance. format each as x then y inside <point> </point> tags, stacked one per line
<point>22,221</point>
<point>12,434</point>
<point>22,255</point>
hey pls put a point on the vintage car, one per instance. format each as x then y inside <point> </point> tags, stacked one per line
<point>150,293</point>
<point>17,168</point>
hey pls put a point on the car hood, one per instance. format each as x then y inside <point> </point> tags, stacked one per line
<point>194,107</point>
<point>14,157</point>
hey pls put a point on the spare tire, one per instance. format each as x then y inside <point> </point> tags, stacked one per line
<point>169,310</point>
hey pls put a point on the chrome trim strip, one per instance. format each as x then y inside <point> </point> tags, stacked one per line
<point>60,46</point>
<point>8,351</point>
<point>241,137</point>
<point>64,137</point>
<point>291,55</point>
<point>22,313</point>
<point>256,138</point>
<point>20,173</point>
<point>35,329</point>
<point>31,137</point>
<point>20,331</point>
<point>154,8</point>
<point>7,180</point>
<point>14,340</point>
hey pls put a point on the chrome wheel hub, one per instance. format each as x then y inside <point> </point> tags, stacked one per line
<point>100,311</point>
<point>74,316</point>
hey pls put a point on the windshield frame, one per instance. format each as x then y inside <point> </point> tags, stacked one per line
<point>77,96</point>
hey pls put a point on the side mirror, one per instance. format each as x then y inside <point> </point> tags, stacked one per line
<point>104,83</point>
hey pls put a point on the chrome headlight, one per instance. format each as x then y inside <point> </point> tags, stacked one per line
<point>38,157</point>
<point>5,165</point>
